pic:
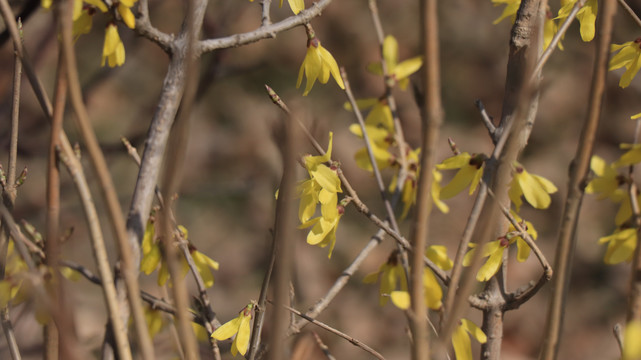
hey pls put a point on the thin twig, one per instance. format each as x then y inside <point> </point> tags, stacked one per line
<point>266,18</point>
<point>618,336</point>
<point>352,340</point>
<point>487,120</point>
<point>263,32</point>
<point>557,37</point>
<point>566,242</point>
<point>99,252</point>
<point>630,12</point>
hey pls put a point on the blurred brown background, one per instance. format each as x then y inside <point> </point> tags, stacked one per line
<point>233,166</point>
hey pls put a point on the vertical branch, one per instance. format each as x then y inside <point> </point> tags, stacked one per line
<point>9,197</point>
<point>52,247</point>
<point>283,241</point>
<point>171,179</point>
<point>432,117</point>
<point>109,195</point>
<point>579,168</point>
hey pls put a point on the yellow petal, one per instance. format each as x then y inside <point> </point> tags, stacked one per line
<point>408,67</point>
<point>127,16</point>
<point>461,180</point>
<point>587,20</point>
<point>330,64</point>
<point>296,6</point>
<point>462,344</point>
<point>474,330</point>
<point>401,299</point>
<point>631,341</point>
<point>227,330</point>
<point>438,255</point>
<point>533,191</point>
<point>491,266</point>
<point>242,337</point>
<point>432,289</point>
<point>390,51</point>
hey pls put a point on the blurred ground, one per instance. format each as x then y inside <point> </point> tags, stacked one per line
<point>233,166</point>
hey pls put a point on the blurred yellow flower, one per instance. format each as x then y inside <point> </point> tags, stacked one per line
<point>512,6</point>
<point>631,343</point>
<point>621,245</point>
<point>629,56</point>
<point>607,180</point>
<point>113,51</point>
<point>461,340</point>
<point>390,275</point>
<point>399,72</point>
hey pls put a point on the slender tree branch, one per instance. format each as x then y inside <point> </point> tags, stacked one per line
<point>579,168</point>
<point>263,32</point>
<point>630,12</point>
<point>352,340</point>
<point>99,252</point>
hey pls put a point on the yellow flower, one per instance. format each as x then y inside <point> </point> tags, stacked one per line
<point>431,287</point>
<point>318,64</point>
<point>631,157</point>
<point>391,275</point>
<point>324,227</point>
<point>635,116</point>
<point>621,245</point>
<point>494,250</point>
<point>512,6</point>
<point>323,175</point>
<point>586,16</point>
<point>431,290</point>
<point>380,114</point>
<point>239,326</point>
<point>534,188</point>
<point>629,56</point>
<point>631,343</point>
<point>461,340</point>
<point>399,72</point>
<point>625,210</point>
<point>113,50</point>
<point>154,320</point>
<point>470,173</point>
<point>153,257</point>
<point>438,255</point>
<point>523,249</point>
<point>607,180</point>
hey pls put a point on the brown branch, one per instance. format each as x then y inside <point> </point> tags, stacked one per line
<point>566,242</point>
<point>630,12</point>
<point>263,32</point>
<point>352,340</point>
<point>99,251</point>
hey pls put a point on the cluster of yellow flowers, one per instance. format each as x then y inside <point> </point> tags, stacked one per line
<point>322,188</point>
<point>113,51</point>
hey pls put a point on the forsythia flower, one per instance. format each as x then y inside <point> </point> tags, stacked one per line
<point>629,56</point>
<point>494,250</point>
<point>586,16</point>
<point>470,173</point>
<point>621,246</point>
<point>607,180</point>
<point>318,64</point>
<point>461,340</point>
<point>512,6</point>
<point>113,51</point>
<point>390,274</point>
<point>625,210</point>
<point>431,288</point>
<point>399,72</point>
<point>240,326</point>
<point>536,189</point>
<point>125,12</point>
<point>323,186</point>
<point>153,257</point>
<point>631,157</point>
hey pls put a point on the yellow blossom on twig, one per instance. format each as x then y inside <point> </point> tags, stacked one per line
<point>628,56</point>
<point>536,189</point>
<point>239,326</point>
<point>398,72</point>
<point>317,65</point>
